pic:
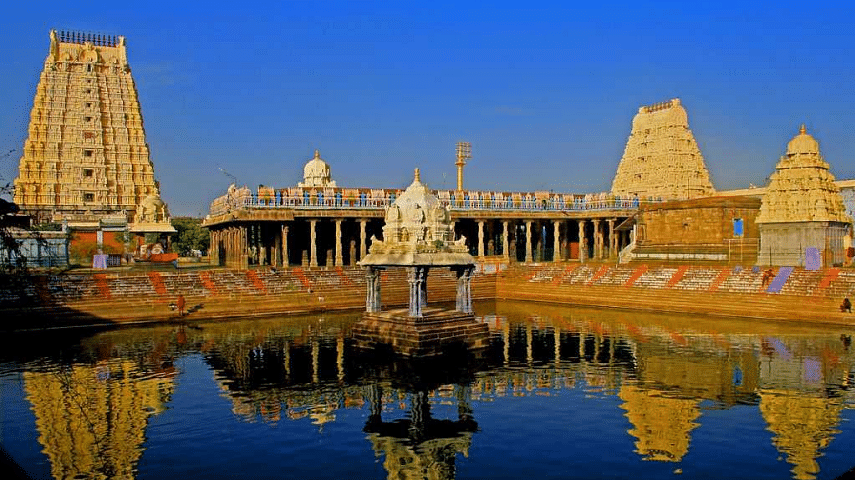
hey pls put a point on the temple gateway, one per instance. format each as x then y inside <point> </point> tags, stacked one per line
<point>86,163</point>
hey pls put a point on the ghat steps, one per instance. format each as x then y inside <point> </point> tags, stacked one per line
<point>116,297</point>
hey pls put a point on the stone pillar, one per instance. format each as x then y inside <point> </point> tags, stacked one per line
<point>212,237</point>
<point>597,239</point>
<point>313,249</point>
<point>423,297</point>
<point>362,224</point>
<point>275,250</point>
<point>372,287</point>
<point>583,247</point>
<point>232,255</point>
<point>415,277</point>
<point>505,239</point>
<point>464,289</point>
<point>231,246</point>
<point>480,238</point>
<point>556,244</point>
<point>369,290</point>
<point>612,239</point>
<point>528,241</point>
<point>244,244</point>
<point>556,335</point>
<point>286,258</point>
<point>339,258</point>
<point>468,297</point>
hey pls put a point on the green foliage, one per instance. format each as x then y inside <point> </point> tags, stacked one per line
<point>47,227</point>
<point>191,236</point>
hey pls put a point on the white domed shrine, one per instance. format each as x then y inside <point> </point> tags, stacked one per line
<point>418,231</point>
<point>418,235</point>
<point>316,173</point>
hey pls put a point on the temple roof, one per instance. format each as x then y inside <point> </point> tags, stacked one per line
<point>661,158</point>
<point>803,143</point>
<point>802,189</point>
<point>418,231</point>
<point>316,173</point>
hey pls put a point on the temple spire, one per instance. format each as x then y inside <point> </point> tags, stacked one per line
<point>418,177</point>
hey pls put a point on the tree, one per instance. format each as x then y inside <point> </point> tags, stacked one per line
<point>191,236</point>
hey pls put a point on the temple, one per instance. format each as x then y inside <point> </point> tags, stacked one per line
<point>316,173</point>
<point>319,224</point>
<point>802,208</point>
<point>86,162</point>
<point>418,237</point>
<point>662,159</point>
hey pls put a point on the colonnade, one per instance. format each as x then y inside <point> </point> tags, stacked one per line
<point>599,242</point>
<point>417,278</point>
<point>229,244</point>
<point>240,244</point>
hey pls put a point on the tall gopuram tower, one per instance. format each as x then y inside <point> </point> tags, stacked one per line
<point>802,209</point>
<point>662,159</point>
<point>85,160</point>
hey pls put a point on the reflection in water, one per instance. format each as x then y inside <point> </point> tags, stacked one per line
<point>803,425</point>
<point>420,446</point>
<point>420,415</point>
<point>661,424</point>
<point>91,418</point>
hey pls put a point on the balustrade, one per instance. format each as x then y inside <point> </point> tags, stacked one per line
<point>346,198</point>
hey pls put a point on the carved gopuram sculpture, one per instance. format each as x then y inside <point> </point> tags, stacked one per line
<point>802,208</point>
<point>86,153</point>
<point>662,159</point>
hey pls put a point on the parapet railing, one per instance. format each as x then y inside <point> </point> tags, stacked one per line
<point>473,201</point>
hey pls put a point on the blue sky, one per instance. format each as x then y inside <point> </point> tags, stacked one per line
<point>545,92</point>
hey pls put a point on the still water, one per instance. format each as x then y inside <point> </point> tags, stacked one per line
<point>560,393</point>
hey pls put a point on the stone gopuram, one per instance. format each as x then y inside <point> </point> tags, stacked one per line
<point>802,209</point>
<point>86,157</point>
<point>662,159</point>
<point>418,235</point>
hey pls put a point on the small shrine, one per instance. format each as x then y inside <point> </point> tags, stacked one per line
<point>802,219</point>
<point>418,235</point>
<point>316,173</point>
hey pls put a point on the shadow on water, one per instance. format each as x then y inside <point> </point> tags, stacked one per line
<point>10,470</point>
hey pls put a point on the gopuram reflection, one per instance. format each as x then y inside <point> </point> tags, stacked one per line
<point>92,418</point>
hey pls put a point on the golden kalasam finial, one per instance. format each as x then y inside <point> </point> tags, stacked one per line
<point>802,129</point>
<point>418,178</point>
<point>464,152</point>
<point>317,153</point>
